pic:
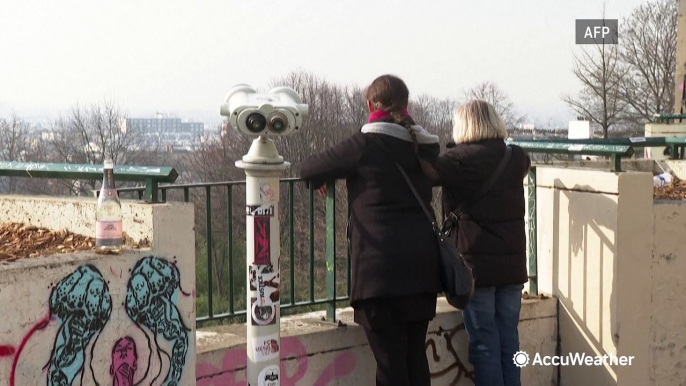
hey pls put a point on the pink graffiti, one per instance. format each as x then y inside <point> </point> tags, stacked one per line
<point>39,326</point>
<point>7,351</point>
<point>124,362</point>
<point>291,348</point>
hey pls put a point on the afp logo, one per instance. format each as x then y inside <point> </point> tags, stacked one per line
<point>597,31</point>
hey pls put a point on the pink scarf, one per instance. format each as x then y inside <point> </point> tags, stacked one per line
<point>381,114</point>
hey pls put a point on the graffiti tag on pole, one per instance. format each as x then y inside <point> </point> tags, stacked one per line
<point>260,210</point>
<point>265,347</point>
<point>261,229</point>
<point>269,376</point>
<point>268,192</point>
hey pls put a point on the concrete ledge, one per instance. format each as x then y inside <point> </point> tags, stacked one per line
<point>320,353</point>
<point>78,214</point>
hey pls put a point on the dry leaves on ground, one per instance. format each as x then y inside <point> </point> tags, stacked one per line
<point>674,191</point>
<point>18,241</point>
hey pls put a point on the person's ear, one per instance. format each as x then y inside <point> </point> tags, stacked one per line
<point>370,106</point>
<point>111,369</point>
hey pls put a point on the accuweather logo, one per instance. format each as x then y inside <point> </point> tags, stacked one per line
<point>521,359</point>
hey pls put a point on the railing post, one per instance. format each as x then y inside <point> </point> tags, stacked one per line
<point>151,187</point>
<point>616,162</point>
<point>532,229</point>
<point>208,238</point>
<point>673,151</point>
<point>331,251</point>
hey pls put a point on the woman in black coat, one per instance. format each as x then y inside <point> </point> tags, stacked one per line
<point>393,248</point>
<point>491,236</point>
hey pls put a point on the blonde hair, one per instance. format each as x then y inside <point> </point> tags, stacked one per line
<point>476,121</point>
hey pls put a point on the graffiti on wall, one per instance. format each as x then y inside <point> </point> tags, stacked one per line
<point>150,303</point>
<point>82,304</point>
<point>80,307</point>
<point>448,338</point>
<point>124,362</point>
<point>292,348</point>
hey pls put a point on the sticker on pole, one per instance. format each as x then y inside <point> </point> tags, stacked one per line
<point>265,347</point>
<point>268,192</point>
<point>260,210</point>
<point>269,376</point>
<point>265,280</point>
<point>262,315</point>
<point>261,239</point>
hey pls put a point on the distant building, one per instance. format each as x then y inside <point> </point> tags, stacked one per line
<point>161,124</point>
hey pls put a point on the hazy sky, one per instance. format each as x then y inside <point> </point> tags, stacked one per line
<point>183,56</point>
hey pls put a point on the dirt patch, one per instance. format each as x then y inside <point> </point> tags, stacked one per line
<point>19,241</point>
<point>674,191</point>
<point>527,295</point>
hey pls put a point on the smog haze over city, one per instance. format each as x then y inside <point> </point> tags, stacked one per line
<point>182,57</point>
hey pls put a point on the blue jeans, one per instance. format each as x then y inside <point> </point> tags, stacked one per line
<point>491,320</point>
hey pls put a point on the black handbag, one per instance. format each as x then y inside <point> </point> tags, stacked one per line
<point>456,277</point>
<point>457,280</point>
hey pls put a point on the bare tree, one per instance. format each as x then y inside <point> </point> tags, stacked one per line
<point>491,93</point>
<point>13,147</point>
<point>648,50</point>
<point>600,71</point>
<point>92,134</point>
<point>434,114</point>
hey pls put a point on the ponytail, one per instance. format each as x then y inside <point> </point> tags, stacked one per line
<point>407,122</point>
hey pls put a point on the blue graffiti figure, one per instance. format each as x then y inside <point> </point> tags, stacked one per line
<point>82,304</point>
<point>150,297</point>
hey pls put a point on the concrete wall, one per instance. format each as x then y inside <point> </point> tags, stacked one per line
<point>154,222</point>
<point>668,309</point>
<point>594,246</point>
<point>91,317</point>
<point>321,354</point>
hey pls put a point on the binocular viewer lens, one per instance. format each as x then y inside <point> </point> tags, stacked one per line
<point>256,122</point>
<point>278,122</point>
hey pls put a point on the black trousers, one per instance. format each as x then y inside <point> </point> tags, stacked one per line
<point>400,353</point>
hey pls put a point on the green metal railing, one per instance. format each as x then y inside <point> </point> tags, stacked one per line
<point>615,152</point>
<point>152,176</point>
<point>667,118</point>
<point>332,298</point>
<point>614,148</point>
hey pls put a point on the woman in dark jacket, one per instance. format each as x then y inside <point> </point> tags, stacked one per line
<point>393,248</point>
<point>491,236</point>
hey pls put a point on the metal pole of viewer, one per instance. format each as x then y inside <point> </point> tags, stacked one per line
<point>263,166</point>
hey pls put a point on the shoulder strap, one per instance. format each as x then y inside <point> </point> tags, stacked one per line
<point>429,215</point>
<point>487,185</point>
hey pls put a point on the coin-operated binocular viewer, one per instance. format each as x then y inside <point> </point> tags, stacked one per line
<point>279,112</point>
